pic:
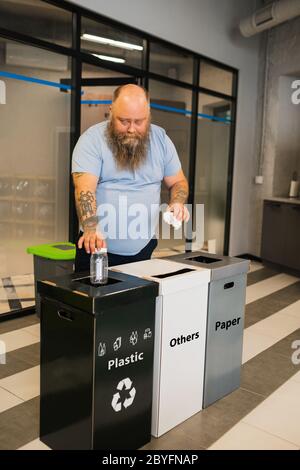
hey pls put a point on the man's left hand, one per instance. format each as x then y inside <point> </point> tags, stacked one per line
<point>179,211</point>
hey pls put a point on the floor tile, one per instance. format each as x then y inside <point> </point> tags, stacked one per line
<point>246,437</point>
<point>254,343</point>
<point>36,444</point>
<point>277,326</point>
<point>33,330</point>
<point>210,424</point>
<point>266,372</point>
<point>296,377</point>
<point>268,286</point>
<point>18,339</point>
<point>17,323</point>
<point>20,359</point>
<point>173,440</point>
<point>279,414</point>
<point>260,275</point>
<point>293,310</point>
<point>19,425</point>
<point>284,346</point>
<point>7,400</point>
<point>273,303</point>
<point>25,384</point>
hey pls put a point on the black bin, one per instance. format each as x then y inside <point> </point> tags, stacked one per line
<point>96,362</point>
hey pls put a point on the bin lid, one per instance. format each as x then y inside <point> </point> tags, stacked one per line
<point>77,290</point>
<point>170,276</point>
<point>220,266</point>
<point>61,251</point>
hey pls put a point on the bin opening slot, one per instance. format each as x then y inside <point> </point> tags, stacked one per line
<point>174,273</point>
<point>63,247</point>
<point>204,259</point>
<point>229,285</point>
<point>87,281</point>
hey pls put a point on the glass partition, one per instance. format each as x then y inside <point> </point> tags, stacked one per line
<point>171,63</point>
<point>38,19</point>
<point>110,44</point>
<point>216,79</point>
<point>34,154</point>
<point>213,138</point>
<point>171,109</point>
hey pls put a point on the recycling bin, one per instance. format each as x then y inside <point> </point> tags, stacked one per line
<point>225,321</point>
<point>97,348</point>
<point>51,260</point>
<point>179,339</point>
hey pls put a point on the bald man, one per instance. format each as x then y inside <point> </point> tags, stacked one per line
<point>118,166</point>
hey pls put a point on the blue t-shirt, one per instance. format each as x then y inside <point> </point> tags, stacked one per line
<point>127,201</point>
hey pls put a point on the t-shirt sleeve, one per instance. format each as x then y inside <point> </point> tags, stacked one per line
<point>172,163</point>
<point>86,156</point>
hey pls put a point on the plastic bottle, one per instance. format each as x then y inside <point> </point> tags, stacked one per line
<point>99,267</point>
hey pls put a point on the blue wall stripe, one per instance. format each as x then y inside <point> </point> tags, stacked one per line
<point>187,112</point>
<point>34,80</point>
<point>215,118</point>
<point>166,108</point>
<point>69,87</point>
<point>170,108</point>
<point>96,101</point>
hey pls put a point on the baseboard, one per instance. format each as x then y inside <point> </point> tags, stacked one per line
<point>22,312</point>
<point>250,257</point>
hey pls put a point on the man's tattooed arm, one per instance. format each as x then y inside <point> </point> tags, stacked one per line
<point>85,198</point>
<point>179,192</point>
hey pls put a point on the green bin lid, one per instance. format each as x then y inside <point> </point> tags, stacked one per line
<point>59,251</point>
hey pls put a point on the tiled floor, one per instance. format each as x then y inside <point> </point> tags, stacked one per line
<point>263,414</point>
<point>16,292</point>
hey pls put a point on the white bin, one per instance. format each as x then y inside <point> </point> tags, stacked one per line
<point>180,331</point>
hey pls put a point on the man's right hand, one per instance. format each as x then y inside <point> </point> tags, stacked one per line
<point>91,240</point>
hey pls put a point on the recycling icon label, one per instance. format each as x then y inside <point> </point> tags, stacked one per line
<point>124,385</point>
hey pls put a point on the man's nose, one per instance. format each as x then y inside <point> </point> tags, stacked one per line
<point>131,128</point>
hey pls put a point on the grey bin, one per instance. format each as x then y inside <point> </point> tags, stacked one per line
<point>97,348</point>
<point>225,321</point>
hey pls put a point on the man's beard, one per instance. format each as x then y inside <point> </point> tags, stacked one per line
<point>129,151</point>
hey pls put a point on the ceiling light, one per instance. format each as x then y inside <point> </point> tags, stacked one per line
<point>110,59</point>
<point>111,42</point>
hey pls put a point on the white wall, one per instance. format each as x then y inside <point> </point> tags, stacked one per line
<point>207,27</point>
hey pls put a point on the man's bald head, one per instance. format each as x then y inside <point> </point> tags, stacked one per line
<point>130,102</point>
<point>131,90</point>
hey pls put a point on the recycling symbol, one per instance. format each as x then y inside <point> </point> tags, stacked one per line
<point>125,384</point>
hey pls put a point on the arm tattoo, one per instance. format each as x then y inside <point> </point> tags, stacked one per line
<point>86,203</point>
<point>87,209</point>
<point>90,223</point>
<point>179,193</point>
